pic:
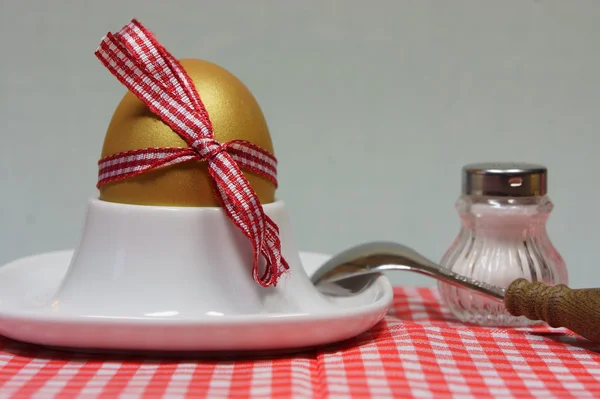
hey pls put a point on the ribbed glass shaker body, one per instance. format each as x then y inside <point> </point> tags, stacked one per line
<point>502,237</point>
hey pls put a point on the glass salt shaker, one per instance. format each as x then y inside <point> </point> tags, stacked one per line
<point>503,209</point>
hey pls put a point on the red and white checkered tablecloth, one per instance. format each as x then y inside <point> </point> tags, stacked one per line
<point>418,351</point>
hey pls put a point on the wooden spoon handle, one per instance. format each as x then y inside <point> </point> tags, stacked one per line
<point>559,306</point>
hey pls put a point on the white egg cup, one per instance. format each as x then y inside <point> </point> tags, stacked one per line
<point>155,278</point>
<point>189,262</point>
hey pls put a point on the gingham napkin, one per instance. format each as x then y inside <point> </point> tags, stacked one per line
<point>418,351</point>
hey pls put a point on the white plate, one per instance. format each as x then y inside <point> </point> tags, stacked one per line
<point>27,315</point>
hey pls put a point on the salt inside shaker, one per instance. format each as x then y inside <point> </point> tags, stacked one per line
<point>503,209</point>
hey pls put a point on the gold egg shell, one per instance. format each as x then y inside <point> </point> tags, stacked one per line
<point>235,115</point>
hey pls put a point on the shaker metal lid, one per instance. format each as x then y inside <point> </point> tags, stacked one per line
<point>504,179</point>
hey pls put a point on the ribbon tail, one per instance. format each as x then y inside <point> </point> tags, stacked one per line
<point>159,99</point>
<point>276,263</point>
<point>239,202</point>
<point>163,65</point>
<point>248,215</point>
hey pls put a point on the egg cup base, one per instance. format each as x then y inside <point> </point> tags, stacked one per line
<point>169,279</point>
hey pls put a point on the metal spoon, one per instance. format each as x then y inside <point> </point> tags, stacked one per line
<point>365,262</point>
<point>354,269</point>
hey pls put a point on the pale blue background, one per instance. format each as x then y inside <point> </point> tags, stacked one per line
<point>373,106</point>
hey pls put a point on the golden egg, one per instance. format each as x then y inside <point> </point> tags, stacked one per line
<point>235,115</point>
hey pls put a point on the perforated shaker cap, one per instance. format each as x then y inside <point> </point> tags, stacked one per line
<point>504,179</point>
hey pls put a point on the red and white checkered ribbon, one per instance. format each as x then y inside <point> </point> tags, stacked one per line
<point>150,72</point>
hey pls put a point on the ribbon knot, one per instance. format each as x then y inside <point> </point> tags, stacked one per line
<point>207,147</point>
<point>151,73</point>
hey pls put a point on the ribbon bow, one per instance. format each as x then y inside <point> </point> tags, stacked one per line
<point>145,67</point>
